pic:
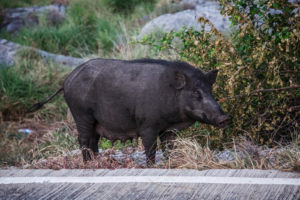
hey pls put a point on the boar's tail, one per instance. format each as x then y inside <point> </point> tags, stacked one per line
<point>38,105</point>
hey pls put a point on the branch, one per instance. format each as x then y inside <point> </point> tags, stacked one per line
<point>295,107</point>
<point>278,89</point>
<point>284,71</point>
<point>263,90</point>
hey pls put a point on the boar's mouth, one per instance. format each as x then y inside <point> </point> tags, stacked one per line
<point>200,116</point>
<point>222,121</point>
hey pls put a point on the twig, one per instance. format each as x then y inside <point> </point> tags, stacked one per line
<point>264,90</point>
<point>284,71</point>
<point>294,107</point>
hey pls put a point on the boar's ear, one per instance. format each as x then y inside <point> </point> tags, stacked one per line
<point>212,75</point>
<point>179,79</point>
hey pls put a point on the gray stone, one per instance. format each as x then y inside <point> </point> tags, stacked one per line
<point>9,50</point>
<point>14,19</point>
<point>192,3</point>
<point>225,155</point>
<point>121,156</point>
<point>203,8</point>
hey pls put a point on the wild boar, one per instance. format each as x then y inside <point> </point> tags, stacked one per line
<point>147,98</point>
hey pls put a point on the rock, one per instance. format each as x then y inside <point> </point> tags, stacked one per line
<point>187,18</point>
<point>137,156</point>
<point>6,54</point>
<point>121,157</point>
<point>14,19</point>
<point>9,50</point>
<point>225,155</point>
<point>210,10</point>
<point>190,3</point>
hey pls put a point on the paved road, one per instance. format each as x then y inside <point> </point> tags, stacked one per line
<point>149,184</point>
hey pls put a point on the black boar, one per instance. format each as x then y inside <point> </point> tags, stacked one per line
<point>122,100</point>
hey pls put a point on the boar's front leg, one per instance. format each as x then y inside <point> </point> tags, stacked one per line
<point>167,140</point>
<point>149,139</point>
<point>93,143</point>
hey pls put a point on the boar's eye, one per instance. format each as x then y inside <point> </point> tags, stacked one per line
<point>197,95</point>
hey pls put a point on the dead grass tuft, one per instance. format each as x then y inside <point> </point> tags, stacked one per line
<point>243,154</point>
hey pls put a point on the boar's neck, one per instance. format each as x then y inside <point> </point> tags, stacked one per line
<point>180,126</point>
<point>176,117</point>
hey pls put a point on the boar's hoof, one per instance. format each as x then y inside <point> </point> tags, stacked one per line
<point>87,154</point>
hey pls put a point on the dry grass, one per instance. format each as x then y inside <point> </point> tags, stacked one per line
<point>102,160</point>
<point>74,160</point>
<point>19,149</point>
<point>187,154</point>
<point>243,154</point>
<point>123,49</point>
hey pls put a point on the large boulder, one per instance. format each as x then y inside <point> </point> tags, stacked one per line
<point>9,52</point>
<point>14,19</point>
<point>203,8</point>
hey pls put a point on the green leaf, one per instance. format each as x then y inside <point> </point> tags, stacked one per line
<point>287,10</point>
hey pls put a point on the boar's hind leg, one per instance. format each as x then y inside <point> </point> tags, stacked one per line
<point>149,139</point>
<point>85,125</point>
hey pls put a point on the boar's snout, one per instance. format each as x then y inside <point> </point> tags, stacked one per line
<point>222,121</point>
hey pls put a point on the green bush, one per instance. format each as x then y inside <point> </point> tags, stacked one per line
<point>125,7</point>
<point>22,3</point>
<point>259,81</point>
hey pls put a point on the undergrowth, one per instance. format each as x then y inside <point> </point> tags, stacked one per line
<point>23,84</point>
<point>20,149</point>
<point>187,154</point>
<point>24,3</point>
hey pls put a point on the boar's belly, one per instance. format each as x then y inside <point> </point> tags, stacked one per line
<point>113,136</point>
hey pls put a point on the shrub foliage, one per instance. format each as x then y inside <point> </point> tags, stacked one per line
<point>259,80</point>
<point>127,6</point>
